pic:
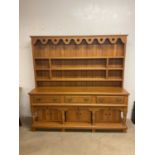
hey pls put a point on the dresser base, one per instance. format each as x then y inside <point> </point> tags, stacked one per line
<point>81,108</point>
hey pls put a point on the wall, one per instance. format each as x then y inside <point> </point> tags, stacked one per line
<point>73,17</point>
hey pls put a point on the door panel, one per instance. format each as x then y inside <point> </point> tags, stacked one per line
<point>48,114</point>
<point>108,116</point>
<point>78,115</point>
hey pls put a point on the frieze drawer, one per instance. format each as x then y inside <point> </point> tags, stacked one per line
<point>46,99</point>
<point>78,99</point>
<point>110,99</point>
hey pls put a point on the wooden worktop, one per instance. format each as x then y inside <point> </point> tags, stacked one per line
<point>80,90</point>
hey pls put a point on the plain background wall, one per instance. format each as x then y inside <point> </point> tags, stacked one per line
<point>73,17</point>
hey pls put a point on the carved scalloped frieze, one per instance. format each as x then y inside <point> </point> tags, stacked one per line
<point>78,40</point>
<point>55,40</point>
<point>113,40</point>
<point>101,40</point>
<point>44,41</point>
<point>89,40</point>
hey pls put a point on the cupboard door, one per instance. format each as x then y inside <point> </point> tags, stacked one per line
<point>47,114</point>
<point>78,115</point>
<point>54,115</point>
<point>107,116</point>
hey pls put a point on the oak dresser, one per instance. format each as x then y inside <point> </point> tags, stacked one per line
<point>79,82</point>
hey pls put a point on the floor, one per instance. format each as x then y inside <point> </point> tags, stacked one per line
<point>76,142</point>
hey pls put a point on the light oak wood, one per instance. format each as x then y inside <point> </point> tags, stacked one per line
<point>79,90</point>
<point>79,104</point>
<point>79,82</point>
<point>47,99</point>
<point>80,58</point>
<point>110,99</point>
<point>78,99</point>
<point>105,126</point>
<point>46,78</point>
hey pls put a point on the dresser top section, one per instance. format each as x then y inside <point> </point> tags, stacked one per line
<point>79,90</point>
<point>79,39</point>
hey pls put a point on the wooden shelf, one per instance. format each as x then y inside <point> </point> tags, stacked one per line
<point>41,68</point>
<point>62,58</point>
<point>41,58</point>
<point>115,57</point>
<point>114,68</point>
<point>93,57</point>
<point>85,79</point>
<point>79,79</point>
<point>80,104</point>
<point>78,68</point>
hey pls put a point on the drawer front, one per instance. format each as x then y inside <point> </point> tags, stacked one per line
<point>78,99</point>
<point>78,115</point>
<point>110,99</point>
<point>46,99</point>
